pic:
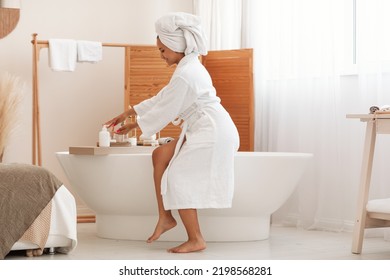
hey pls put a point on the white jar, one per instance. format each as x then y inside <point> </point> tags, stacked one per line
<point>143,137</point>
<point>104,137</point>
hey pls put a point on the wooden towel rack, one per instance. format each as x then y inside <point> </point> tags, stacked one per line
<point>36,130</point>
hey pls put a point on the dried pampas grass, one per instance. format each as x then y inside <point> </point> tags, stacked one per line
<point>10,99</point>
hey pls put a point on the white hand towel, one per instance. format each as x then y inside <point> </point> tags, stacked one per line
<point>88,51</point>
<point>62,54</point>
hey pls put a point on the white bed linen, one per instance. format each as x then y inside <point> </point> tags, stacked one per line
<point>63,225</point>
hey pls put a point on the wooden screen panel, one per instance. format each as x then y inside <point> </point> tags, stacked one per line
<point>145,75</point>
<point>232,75</point>
<point>231,71</point>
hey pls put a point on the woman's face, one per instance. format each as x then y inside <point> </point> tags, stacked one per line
<point>168,55</point>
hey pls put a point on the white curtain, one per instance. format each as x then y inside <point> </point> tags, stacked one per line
<point>221,21</point>
<point>305,84</point>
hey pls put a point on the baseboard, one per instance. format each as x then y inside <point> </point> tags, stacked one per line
<point>335,225</point>
<point>86,219</point>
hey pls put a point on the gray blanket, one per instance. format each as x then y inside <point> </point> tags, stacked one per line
<point>25,190</point>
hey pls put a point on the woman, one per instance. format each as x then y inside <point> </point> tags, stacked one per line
<point>196,170</point>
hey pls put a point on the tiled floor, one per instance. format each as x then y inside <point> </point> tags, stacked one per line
<point>284,244</point>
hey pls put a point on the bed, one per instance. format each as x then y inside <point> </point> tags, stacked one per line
<point>37,212</point>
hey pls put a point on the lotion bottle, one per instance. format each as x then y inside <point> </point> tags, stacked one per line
<point>104,137</point>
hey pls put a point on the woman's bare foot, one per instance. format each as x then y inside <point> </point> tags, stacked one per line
<point>189,246</point>
<point>163,225</point>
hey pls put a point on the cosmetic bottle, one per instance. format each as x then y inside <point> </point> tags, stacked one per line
<point>104,137</point>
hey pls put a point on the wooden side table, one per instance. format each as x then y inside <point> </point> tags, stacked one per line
<point>377,123</point>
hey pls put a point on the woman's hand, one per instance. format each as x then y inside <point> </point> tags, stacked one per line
<point>120,118</point>
<point>126,128</point>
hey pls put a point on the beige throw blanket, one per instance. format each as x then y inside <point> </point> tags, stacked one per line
<point>38,232</point>
<point>25,190</point>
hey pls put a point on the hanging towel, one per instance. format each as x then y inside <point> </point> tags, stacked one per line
<point>62,54</point>
<point>88,51</point>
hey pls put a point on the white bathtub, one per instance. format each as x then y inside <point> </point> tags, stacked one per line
<point>119,188</point>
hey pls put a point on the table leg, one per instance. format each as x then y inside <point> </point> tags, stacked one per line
<point>365,179</point>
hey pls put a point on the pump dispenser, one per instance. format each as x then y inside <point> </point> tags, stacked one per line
<point>104,137</point>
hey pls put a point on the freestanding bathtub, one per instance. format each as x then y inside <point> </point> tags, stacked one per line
<point>119,189</point>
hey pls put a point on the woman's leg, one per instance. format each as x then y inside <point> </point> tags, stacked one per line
<point>195,240</point>
<point>161,158</point>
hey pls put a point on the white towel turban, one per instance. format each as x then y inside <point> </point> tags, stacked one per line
<point>182,32</point>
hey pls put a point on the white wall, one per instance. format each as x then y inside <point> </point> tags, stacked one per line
<point>73,105</point>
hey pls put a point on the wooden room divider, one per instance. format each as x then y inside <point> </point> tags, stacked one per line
<point>231,71</point>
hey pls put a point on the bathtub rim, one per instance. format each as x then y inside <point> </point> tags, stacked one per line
<point>239,153</point>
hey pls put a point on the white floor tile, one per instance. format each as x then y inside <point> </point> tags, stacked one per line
<point>285,243</point>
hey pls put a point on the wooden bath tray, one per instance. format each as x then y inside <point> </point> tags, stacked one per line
<point>92,150</point>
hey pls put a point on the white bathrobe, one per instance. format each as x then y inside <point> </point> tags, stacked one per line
<point>201,172</point>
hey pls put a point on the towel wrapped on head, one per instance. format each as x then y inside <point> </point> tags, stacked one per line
<point>182,32</point>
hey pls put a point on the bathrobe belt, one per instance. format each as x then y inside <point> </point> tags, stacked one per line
<point>189,116</point>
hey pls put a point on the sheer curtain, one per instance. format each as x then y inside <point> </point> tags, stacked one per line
<point>305,84</point>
